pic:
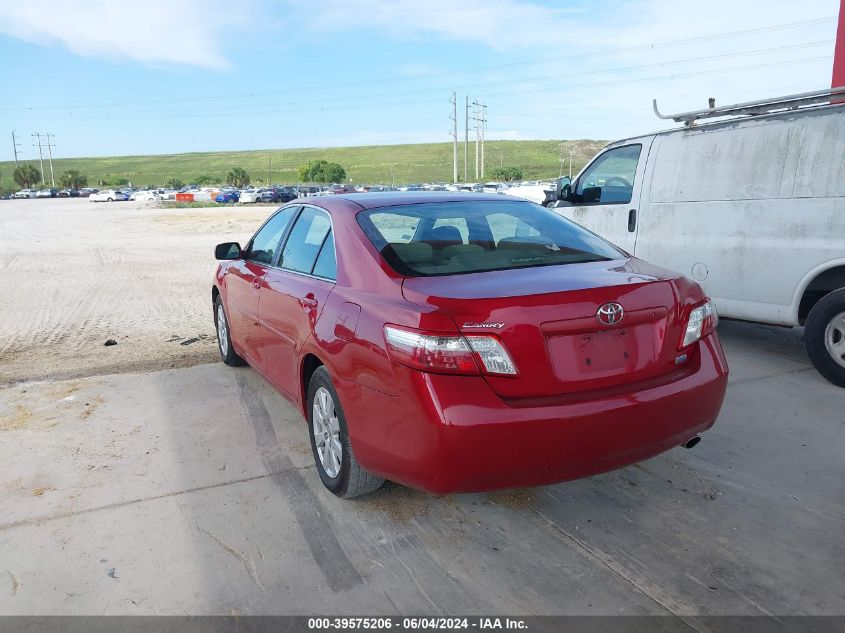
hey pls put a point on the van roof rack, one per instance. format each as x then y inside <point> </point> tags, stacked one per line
<point>754,108</point>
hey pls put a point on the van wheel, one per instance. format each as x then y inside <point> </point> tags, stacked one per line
<point>224,337</point>
<point>339,470</point>
<point>824,336</point>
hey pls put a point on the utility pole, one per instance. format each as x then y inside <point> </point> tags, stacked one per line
<point>40,154</point>
<point>15,147</point>
<point>483,129</point>
<point>480,117</point>
<point>466,139</point>
<point>454,134</point>
<point>50,154</point>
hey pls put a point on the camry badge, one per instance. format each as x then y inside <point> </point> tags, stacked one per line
<point>481,325</point>
<point>610,314</point>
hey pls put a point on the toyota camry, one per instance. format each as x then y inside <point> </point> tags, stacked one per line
<point>466,342</point>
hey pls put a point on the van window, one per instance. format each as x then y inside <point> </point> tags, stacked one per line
<point>610,179</point>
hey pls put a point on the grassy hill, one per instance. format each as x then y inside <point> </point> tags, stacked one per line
<point>430,162</point>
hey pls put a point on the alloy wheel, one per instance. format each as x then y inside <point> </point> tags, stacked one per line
<point>222,330</point>
<point>326,428</point>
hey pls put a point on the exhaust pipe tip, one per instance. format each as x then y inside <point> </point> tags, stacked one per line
<point>692,441</point>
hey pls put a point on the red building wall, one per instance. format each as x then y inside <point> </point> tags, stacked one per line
<point>839,55</point>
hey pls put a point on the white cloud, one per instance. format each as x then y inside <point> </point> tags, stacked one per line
<point>187,32</point>
<point>499,24</point>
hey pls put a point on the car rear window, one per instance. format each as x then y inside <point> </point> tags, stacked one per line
<point>452,238</point>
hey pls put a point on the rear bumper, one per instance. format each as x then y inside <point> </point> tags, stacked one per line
<point>448,434</point>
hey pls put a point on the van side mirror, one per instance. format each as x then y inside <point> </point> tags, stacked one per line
<point>228,250</point>
<point>564,188</point>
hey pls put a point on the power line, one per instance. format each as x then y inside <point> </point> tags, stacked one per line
<point>629,49</point>
<point>193,113</point>
<point>553,88</point>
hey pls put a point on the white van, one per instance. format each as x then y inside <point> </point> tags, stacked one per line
<point>752,208</point>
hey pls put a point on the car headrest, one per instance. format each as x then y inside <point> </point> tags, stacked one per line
<point>412,252</point>
<point>443,234</point>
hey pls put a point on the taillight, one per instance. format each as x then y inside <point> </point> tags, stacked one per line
<point>437,353</point>
<point>701,322</point>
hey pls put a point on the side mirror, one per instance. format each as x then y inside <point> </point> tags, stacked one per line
<point>228,250</point>
<point>564,188</point>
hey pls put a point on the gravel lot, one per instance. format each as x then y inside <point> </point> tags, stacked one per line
<point>74,274</point>
<point>147,478</point>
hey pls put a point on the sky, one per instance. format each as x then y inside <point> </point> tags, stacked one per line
<point>112,77</point>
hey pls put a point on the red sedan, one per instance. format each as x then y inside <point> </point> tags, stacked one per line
<point>463,342</point>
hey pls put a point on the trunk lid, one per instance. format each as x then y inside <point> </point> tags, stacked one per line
<point>546,317</point>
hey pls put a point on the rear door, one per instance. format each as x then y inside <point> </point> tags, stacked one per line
<point>606,195</point>
<point>293,293</point>
<point>243,281</point>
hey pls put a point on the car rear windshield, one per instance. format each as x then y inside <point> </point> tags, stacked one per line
<point>452,238</point>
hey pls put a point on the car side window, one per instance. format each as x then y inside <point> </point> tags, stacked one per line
<point>306,237</point>
<point>505,225</point>
<point>266,242</point>
<point>396,228</point>
<point>326,265</point>
<point>610,179</point>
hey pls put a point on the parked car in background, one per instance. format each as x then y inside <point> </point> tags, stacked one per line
<point>537,192</point>
<point>47,193</point>
<point>151,195</point>
<point>762,228</point>
<point>108,195</point>
<point>228,197</point>
<point>68,193</point>
<point>87,191</point>
<point>26,193</point>
<point>286,194</point>
<point>455,342</point>
<point>495,187</point>
<point>250,196</point>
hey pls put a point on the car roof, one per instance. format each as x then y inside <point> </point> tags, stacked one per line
<point>359,201</point>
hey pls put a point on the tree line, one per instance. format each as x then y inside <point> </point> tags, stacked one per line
<point>321,171</point>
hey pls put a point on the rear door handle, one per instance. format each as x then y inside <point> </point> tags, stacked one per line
<point>632,220</point>
<point>256,283</point>
<point>308,302</point>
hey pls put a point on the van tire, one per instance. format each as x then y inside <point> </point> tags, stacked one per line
<point>351,480</point>
<point>816,333</point>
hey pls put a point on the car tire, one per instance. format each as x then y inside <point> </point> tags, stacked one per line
<point>224,338</point>
<point>824,336</point>
<point>341,474</point>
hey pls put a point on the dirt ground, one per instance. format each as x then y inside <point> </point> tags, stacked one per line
<point>74,274</point>
<point>132,484</point>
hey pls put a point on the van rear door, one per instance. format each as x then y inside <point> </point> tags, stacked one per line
<point>606,194</point>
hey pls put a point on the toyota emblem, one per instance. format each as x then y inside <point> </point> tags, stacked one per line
<point>610,314</point>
